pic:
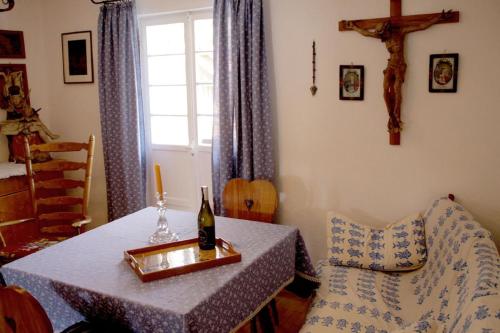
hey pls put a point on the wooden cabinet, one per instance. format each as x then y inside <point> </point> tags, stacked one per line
<point>15,202</point>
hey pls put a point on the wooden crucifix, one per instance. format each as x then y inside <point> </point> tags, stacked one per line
<point>392,31</point>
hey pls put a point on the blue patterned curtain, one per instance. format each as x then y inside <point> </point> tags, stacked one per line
<point>242,137</point>
<point>121,109</point>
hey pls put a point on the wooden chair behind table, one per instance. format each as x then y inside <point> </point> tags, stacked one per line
<point>256,200</point>
<point>56,215</point>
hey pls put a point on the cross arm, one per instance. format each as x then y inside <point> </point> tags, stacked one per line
<point>402,21</point>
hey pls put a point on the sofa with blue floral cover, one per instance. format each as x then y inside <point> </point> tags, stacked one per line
<point>456,290</point>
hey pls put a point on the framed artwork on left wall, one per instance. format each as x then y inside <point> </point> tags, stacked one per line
<point>78,65</point>
<point>12,44</point>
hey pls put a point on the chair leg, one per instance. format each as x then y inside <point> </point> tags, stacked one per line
<point>266,323</point>
<point>274,310</point>
<point>253,325</point>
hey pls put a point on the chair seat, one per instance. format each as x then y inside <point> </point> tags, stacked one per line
<point>18,250</point>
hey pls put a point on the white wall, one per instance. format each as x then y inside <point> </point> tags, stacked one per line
<point>335,155</point>
<point>331,154</point>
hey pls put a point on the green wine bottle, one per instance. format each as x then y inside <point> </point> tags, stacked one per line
<point>206,223</point>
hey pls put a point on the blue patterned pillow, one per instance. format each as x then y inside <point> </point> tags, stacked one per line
<point>397,247</point>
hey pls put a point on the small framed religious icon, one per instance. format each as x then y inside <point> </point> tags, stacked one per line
<point>352,82</point>
<point>443,71</point>
<point>77,57</point>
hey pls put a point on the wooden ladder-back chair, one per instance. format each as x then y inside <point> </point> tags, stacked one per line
<point>59,219</point>
<point>57,215</point>
<point>256,200</point>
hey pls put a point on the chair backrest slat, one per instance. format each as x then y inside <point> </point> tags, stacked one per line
<point>58,165</point>
<point>59,183</point>
<point>60,216</point>
<point>60,201</point>
<point>55,147</point>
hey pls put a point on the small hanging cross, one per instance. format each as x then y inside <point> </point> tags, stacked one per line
<point>313,88</point>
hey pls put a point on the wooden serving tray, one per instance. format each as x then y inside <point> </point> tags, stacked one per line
<point>170,259</point>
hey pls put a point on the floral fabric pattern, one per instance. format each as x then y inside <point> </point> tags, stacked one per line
<point>86,277</point>
<point>398,247</point>
<point>121,109</point>
<point>456,291</point>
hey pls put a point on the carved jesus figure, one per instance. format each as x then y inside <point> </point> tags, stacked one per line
<point>393,36</point>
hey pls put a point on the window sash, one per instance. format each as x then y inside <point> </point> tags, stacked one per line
<point>188,19</point>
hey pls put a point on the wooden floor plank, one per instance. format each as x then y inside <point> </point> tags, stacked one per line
<point>292,312</point>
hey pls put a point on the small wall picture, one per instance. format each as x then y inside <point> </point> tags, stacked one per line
<point>12,44</point>
<point>443,71</point>
<point>13,87</point>
<point>77,57</point>
<point>352,82</point>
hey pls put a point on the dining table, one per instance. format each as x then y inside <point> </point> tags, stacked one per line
<point>87,278</point>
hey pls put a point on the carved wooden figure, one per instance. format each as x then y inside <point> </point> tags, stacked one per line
<point>392,31</point>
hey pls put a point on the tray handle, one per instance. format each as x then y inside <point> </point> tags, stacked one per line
<point>131,260</point>
<point>227,245</point>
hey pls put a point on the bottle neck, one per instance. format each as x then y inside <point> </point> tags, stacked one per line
<point>204,194</point>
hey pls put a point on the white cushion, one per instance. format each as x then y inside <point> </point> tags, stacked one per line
<point>398,247</point>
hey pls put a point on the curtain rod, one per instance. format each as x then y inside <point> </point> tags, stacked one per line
<point>104,1</point>
<point>10,4</point>
<point>180,11</point>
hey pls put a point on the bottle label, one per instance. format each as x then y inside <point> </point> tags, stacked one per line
<point>206,238</point>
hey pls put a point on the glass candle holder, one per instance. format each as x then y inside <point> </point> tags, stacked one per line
<point>163,234</point>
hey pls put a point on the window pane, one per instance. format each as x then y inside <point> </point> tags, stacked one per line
<point>165,39</point>
<point>205,99</point>
<point>169,100</point>
<point>203,35</point>
<point>205,124</point>
<point>169,130</point>
<point>204,67</point>
<point>166,70</point>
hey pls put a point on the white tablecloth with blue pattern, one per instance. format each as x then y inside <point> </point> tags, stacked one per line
<point>86,276</point>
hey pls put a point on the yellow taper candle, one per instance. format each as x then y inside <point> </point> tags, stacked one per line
<point>159,185</point>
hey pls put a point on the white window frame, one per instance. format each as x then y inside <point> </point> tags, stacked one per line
<point>188,18</point>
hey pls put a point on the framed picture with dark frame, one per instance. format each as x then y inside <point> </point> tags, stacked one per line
<point>12,44</point>
<point>443,73</point>
<point>78,65</point>
<point>351,82</point>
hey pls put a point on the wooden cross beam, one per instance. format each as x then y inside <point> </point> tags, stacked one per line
<point>392,31</point>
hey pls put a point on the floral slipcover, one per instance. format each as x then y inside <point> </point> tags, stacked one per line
<point>455,291</point>
<point>398,247</point>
